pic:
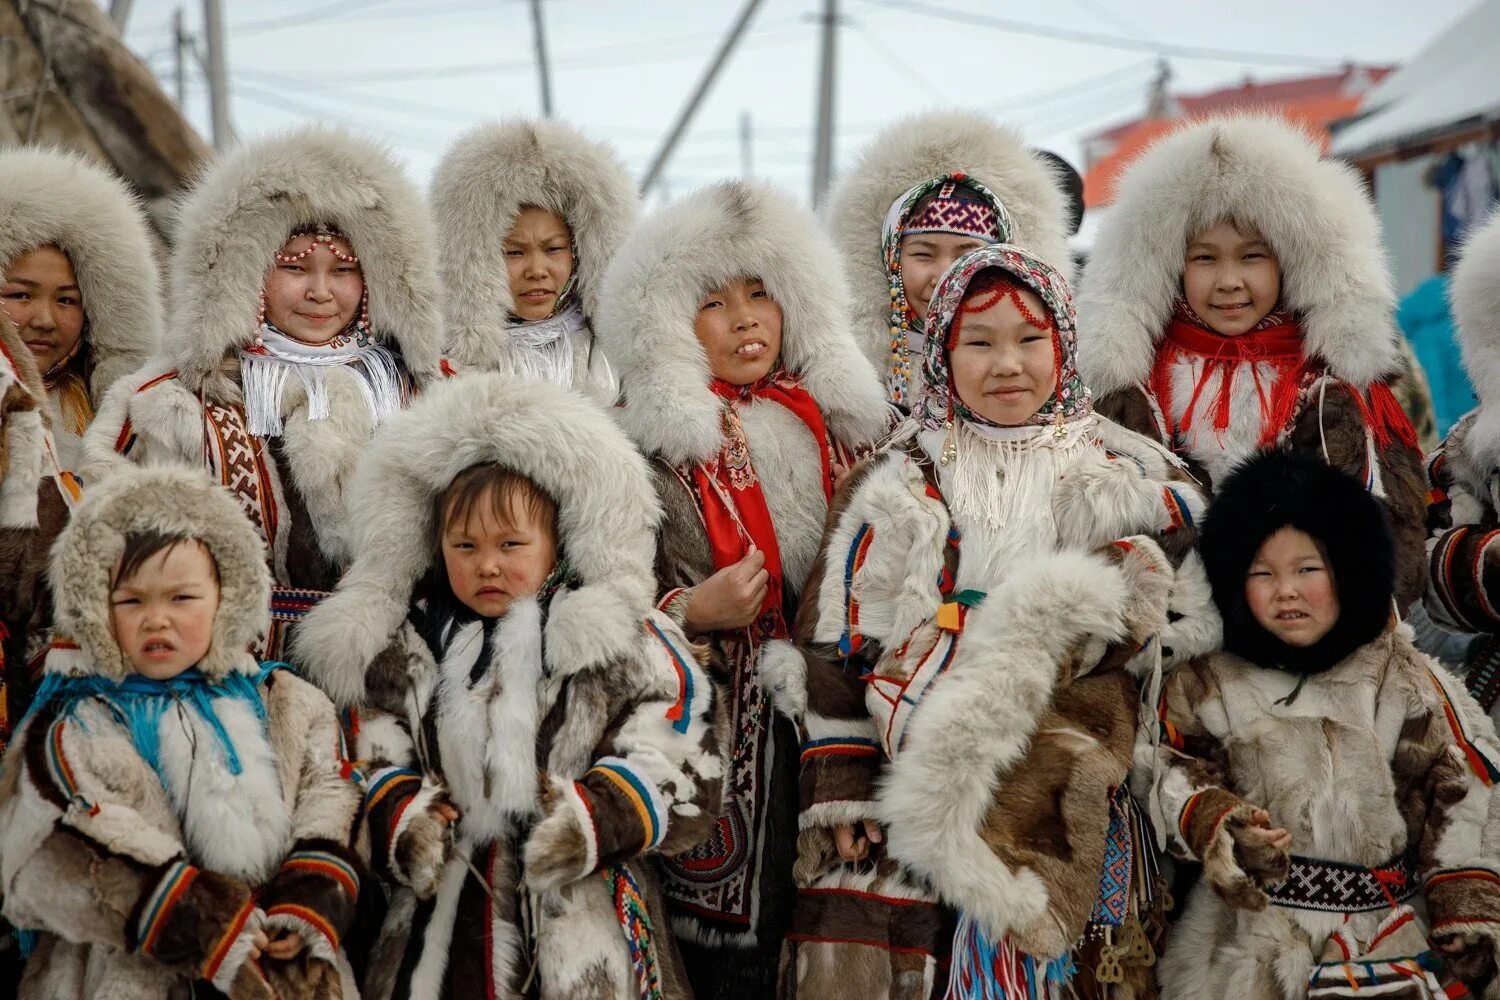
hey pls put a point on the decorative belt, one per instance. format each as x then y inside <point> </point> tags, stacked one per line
<point>1337,887</point>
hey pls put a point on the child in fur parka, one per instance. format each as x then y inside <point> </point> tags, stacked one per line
<point>173,812</point>
<point>1237,300</point>
<point>1463,581</point>
<point>925,191</point>
<point>535,731</point>
<point>971,629</point>
<point>529,215</point>
<point>78,277</point>
<point>307,314</point>
<point>1323,771</point>
<point>742,384</point>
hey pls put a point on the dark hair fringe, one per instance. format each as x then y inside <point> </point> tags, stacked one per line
<point>143,545</point>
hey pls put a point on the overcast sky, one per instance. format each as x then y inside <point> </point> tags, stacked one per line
<point>418,72</point>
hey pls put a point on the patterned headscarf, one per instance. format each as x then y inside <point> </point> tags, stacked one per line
<point>937,403</point>
<point>955,203</point>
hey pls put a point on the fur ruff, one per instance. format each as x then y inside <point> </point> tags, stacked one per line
<point>607,515</point>
<point>479,188</point>
<point>243,208</point>
<point>52,197</point>
<point>650,297</point>
<point>1264,173</point>
<point>169,501</point>
<point>1475,294</point>
<point>921,148</point>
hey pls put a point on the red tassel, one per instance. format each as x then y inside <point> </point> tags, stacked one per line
<point>1387,417</point>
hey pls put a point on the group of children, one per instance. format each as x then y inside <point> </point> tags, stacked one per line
<point>524,599</point>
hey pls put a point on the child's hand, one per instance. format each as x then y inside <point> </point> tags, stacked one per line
<point>258,943</point>
<point>731,598</point>
<point>855,840</point>
<point>1261,850</point>
<point>285,948</point>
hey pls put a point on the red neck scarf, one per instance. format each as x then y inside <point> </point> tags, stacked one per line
<point>735,514</point>
<point>1275,341</point>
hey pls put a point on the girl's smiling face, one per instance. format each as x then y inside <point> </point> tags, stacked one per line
<point>312,297</point>
<point>1230,278</point>
<point>41,297</point>
<point>1004,366</point>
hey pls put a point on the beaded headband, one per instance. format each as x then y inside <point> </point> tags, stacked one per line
<point>323,235</point>
<point>948,212</point>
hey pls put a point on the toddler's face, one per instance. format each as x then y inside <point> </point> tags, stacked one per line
<point>739,326</point>
<point>1291,590</point>
<point>492,564</point>
<point>162,615</point>
<point>1232,280</point>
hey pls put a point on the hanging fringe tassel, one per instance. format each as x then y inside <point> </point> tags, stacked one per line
<point>263,380</point>
<point>635,922</point>
<point>986,970</point>
<point>1386,417</point>
<point>998,480</point>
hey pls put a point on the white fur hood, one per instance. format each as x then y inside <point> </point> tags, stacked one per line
<point>922,148</point>
<point>168,501</point>
<point>606,509</point>
<point>481,185</point>
<point>1475,295</point>
<point>1261,172</point>
<point>52,197</point>
<point>650,298</point>
<point>246,204</point>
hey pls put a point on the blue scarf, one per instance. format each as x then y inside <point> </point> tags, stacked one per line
<point>140,702</point>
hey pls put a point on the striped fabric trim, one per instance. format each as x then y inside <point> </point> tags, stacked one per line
<point>640,793</point>
<point>1484,769</point>
<point>163,899</point>
<point>859,550</point>
<point>289,604</point>
<point>323,863</point>
<point>588,824</point>
<point>1177,510</point>
<point>226,943</point>
<point>839,746</point>
<point>385,781</point>
<point>681,712</point>
<point>311,917</point>
<point>1458,874</point>
<point>62,772</point>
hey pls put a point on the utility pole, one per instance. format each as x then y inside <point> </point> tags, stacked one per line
<point>539,35</point>
<point>685,116</point>
<point>180,44</point>
<point>218,73</point>
<point>827,80</point>
<point>119,12</point>
<point>747,161</point>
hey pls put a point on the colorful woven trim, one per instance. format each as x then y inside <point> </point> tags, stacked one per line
<point>62,772</point>
<point>226,943</point>
<point>1178,513</point>
<point>984,969</point>
<point>635,923</point>
<point>163,899</point>
<point>309,916</point>
<point>839,746</point>
<point>640,793</point>
<point>387,780</point>
<point>1484,769</point>
<point>859,550</point>
<point>290,604</point>
<point>329,865</point>
<point>681,712</point>
<point>946,212</point>
<point>1337,887</point>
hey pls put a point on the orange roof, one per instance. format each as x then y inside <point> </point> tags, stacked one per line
<point>1314,113</point>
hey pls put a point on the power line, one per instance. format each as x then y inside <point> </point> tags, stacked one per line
<point>977,19</point>
<point>905,65</point>
<point>327,12</point>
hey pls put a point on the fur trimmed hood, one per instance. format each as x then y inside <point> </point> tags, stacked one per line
<point>52,197</point>
<point>650,298</point>
<point>1261,172</point>
<point>927,147</point>
<point>1278,489</point>
<point>481,185</point>
<point>606,508</point>
<point>170,501</point>
<point>249,201</point>
<point>1475,295</point>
